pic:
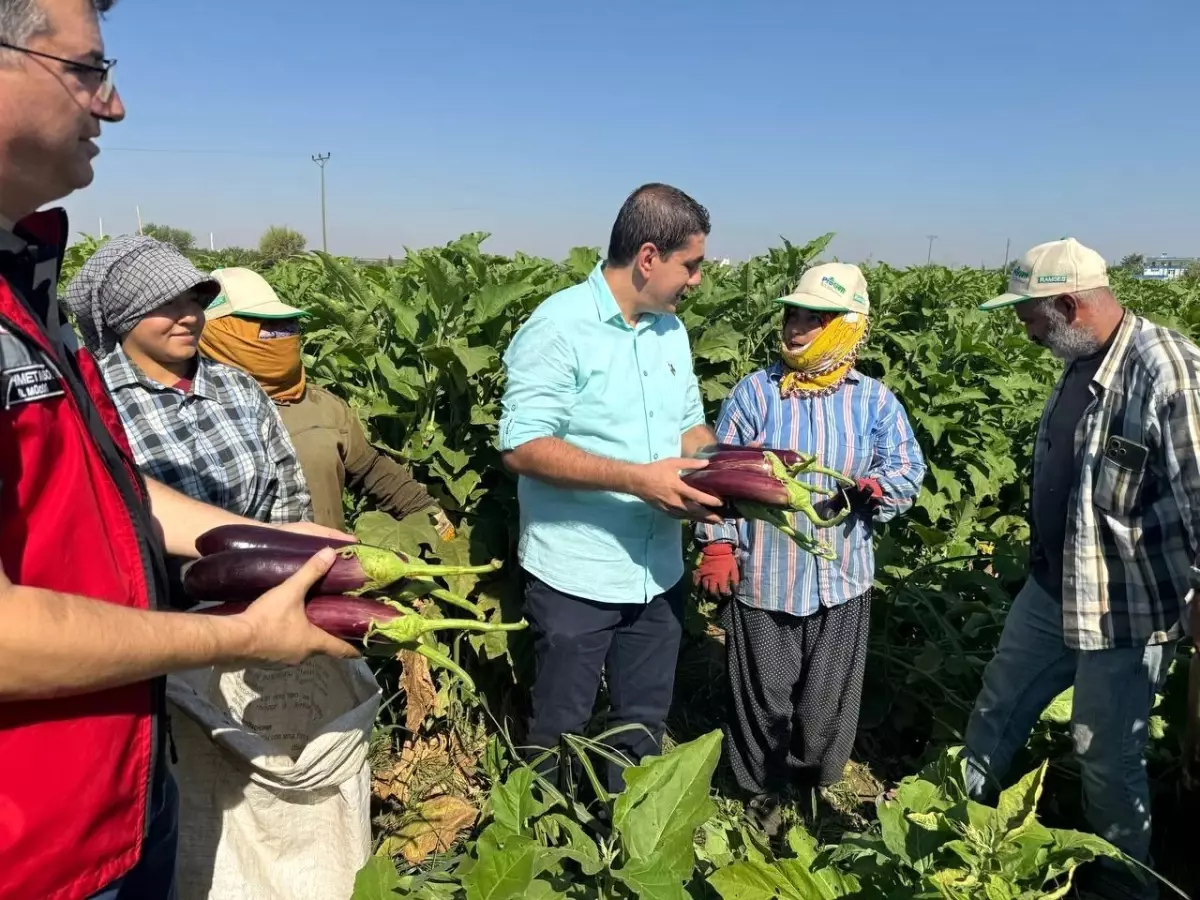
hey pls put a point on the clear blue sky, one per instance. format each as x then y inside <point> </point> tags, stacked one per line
<point>882,120</point>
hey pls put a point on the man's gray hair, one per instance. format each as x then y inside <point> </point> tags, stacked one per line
<point>21,20</point>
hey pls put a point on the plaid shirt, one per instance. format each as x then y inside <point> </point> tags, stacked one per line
<point>1134,522</point>
<point>861,430</point>
<point>222,443</point>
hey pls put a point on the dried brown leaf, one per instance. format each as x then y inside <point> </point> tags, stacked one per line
<point>431,827</point>
<point>419,692</point>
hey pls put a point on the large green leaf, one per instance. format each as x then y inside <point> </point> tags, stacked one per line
<point>718,343</point>
<point>666,798</point>
<point>576,844</point>
<point>915,845</point>
<point>505,873</point>
<point>649,879</point>
<point>1059,710</point>
<point>1017,805</point>
<point>403,536</point>
<point>377,880</point>
<point>513,802</point>
<point>788,879</point>
<point>493,299</point>
<point>406,381</point>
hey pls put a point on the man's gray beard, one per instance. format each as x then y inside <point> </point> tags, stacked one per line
<point>1068,342</point>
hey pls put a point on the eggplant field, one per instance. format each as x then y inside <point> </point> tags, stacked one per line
<point>416,347</point>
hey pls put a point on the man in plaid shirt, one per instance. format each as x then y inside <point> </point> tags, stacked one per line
<point>1115,525</point>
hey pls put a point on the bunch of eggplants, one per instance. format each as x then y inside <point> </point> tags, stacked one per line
<point>239,563</point>
<point>764,483</point>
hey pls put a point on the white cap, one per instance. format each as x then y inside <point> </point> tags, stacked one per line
<point>837,287</point>
<point>1053,269</point>
<point>246,293</point>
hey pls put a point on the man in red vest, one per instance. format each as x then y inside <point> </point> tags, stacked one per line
<point>87,807</point>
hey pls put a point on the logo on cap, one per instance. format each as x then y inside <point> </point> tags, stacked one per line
<point>1020,274</point>
<point>1052,279</point>
<point>830,282</point>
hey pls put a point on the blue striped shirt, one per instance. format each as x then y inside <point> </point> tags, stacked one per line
<point>861,430</point>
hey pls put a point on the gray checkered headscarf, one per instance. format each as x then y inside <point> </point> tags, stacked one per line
<point>122,282</point>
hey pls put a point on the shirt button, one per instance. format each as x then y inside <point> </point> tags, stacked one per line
<point>646,373</point>
<point>656,456</point>
<point>652,415</point>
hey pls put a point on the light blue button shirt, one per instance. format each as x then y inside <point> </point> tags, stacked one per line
<point>578,371</point>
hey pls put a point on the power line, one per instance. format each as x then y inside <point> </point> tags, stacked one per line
<point>173,151</point>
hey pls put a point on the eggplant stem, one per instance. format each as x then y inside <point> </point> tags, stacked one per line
<point>438,658</point>
<point>461,602</point>
<point>838,518</point>
<point>780,520</point>
<point>425,588</point>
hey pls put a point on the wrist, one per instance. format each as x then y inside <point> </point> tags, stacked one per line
<point>235,640</point>
<point>630,479</point>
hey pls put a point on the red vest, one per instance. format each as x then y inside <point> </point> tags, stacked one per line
<point>75,773</point>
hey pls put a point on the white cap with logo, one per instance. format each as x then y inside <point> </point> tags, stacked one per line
<point>834,287</point>
<point>246,293</point>
<point>1051,269</point>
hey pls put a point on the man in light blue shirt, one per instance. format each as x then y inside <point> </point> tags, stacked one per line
<point>601,406</point>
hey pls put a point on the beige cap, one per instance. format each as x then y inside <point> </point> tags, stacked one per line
<point>839,287</point>
<point>1053,269</point>
<point>246,293</point>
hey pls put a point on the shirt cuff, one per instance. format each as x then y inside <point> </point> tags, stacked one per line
<point>514,433</point>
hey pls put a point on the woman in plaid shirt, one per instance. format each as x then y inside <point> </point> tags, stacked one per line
<point>796,629</point>
<point>206,429</point>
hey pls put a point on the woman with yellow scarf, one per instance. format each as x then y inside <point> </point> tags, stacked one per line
<point>797,625</point>
<point>250,328</point>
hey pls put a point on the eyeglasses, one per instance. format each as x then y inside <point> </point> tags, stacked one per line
<point>104,68</point>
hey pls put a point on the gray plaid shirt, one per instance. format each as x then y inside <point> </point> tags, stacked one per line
<point>222,443</point>
<point>1134,524</point>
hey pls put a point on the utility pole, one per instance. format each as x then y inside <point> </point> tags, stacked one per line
<point>320,159</point>
<point>929,256</point>
<point>1007,244</point>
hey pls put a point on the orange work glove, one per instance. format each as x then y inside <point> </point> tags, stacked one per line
<point>718,570</point>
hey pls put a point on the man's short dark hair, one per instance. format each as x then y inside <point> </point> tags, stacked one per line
<point>655,214</point>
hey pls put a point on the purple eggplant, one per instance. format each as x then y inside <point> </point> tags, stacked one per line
<point>259,537</point>
<point>733,483</point>
<point>358,569</point>
<point>719,453</point>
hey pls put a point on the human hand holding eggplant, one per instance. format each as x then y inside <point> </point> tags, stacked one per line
<point>276,627</point>
<point>664,486</point>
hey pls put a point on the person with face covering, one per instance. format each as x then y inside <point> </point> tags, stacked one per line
<point>248,327</point>
<point>1114,529</point>
<point>797,625</point>
<point>206,429</point>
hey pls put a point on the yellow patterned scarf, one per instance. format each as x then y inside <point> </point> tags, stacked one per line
<point>822,366</point>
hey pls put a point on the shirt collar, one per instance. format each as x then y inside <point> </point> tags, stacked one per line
<point>121,372</point>
<point>1108,375</point>
<point>606,303</point>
